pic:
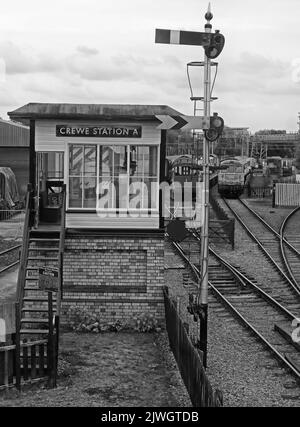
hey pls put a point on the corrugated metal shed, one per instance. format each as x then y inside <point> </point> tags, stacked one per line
<point>13,134</point>
<point>90,111</point>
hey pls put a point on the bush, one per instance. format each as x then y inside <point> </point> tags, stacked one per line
<point>146,323</point>
<point>81,320</point>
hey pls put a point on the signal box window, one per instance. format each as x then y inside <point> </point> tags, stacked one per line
<point>114,177</point>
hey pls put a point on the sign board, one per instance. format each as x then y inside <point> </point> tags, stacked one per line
<point>182,37</point>
<point>48,279</point>
<point>99,131</point>
<point>183,122</point>
<point>176,230</point>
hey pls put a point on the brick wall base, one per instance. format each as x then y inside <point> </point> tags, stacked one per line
<point>114,276</point>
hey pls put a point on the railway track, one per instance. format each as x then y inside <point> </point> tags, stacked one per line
<point>267,319</point>
<point>288,233</point>
<point>285,287</point>
<point>9,258</point>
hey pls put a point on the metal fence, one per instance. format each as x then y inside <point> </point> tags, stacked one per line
<point>287,195</point>
<point>10,214</point>
<point>188,360</point>
<point>260,192</point>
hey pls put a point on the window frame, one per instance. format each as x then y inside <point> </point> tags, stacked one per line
<point>108,144</point>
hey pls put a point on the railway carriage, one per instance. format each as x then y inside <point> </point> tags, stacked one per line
<point>183,169</point>
<point>233,176</point>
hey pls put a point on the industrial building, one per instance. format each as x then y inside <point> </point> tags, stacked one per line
<point>14,151</point>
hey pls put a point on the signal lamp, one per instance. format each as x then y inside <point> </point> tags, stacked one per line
<point>216,128</point>
<point>216,45</point>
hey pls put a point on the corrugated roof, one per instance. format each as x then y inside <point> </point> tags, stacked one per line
<point>90,111</point>
<point>11,123</point>
<point>13,134</point>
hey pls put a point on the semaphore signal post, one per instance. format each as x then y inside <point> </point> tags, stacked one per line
<point>213,44</point>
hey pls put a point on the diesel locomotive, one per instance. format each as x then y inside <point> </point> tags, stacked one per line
<point>233,176</point>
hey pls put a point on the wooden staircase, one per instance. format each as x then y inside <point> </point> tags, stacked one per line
<point>42,248</point>
<point>42,252</point>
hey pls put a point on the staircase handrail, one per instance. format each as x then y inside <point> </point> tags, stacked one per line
<point>61,250</point>
<point>24,250</point>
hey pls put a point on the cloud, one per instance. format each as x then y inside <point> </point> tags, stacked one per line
<point>21,61</point>
<point>85,50</point>
<point>250,63</point>
<point>15,59</point>
<point>97,68</point>
<point>250,86</point>
<point>257,76</point>
<point>6,96</point>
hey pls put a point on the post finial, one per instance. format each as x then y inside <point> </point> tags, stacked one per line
<point>209,16</point>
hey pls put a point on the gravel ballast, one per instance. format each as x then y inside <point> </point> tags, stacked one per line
<point>238,364</point>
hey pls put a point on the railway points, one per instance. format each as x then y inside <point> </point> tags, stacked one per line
<point>236,300</point>
<point>267,239</point>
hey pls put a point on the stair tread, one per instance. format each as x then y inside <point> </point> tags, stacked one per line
<point>43,249</point>
<point>30,258</point>
<point>34,331</point>
<point>36,239</point>
<point>34,320</point>
<point>36,310</point>
<point>30,298</point>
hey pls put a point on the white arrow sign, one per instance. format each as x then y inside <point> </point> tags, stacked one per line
<point>183,122</point>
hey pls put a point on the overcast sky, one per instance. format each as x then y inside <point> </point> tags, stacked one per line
<point>103,51</point>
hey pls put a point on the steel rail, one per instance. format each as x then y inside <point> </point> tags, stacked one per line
<point>246,281</point>
<point>12,264</point>
<point>9,266</point>
<point>278,235</point>
<point>240,316</point>
<point>282,239</point>
<point>295,286</point>
<point>10,250</point>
